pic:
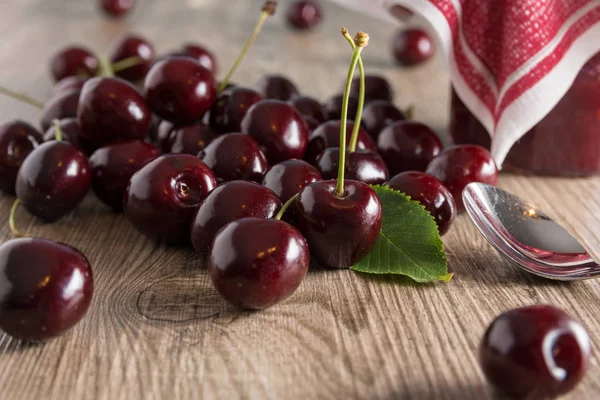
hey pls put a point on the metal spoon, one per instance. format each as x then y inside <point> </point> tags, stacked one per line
<point>526,235</point>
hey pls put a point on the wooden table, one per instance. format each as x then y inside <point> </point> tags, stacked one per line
<point>158,330</point>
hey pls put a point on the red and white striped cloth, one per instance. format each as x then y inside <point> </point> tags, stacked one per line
<point>510,61</point>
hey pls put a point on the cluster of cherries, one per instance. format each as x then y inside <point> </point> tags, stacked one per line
<point>190,160</point>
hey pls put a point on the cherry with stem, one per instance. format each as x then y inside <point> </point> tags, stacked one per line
<point>268,9</point>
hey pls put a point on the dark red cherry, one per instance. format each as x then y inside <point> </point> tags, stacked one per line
<point>228,202</point>
<point>180,90</point>
<point>129,46</point>
<point>67,84</point>
<point>74,61</point>
<point>53,180</point>
<point>304,14</point>
<point>116,8</point>
<point>231,107</point>
<point>333,107</point>
<point>340,231</point>
<point>278,129</point>
<point>201,55</point>
<point>362,165</point>
<point>113,166</point>
<point>376,88</point>
<point>17,140</point>
<point>111,109</point>
<point>457,166</point>
<point>311,123</point>
<point>408,146</point>
<point>287,178</point>
<point>163,134</point>
<point>309,107</point>
<point>162,196</point>
<point>62,105</point>
<point>47,288</point>
<point>378,114</point>
<point>328,135</point>
<point>256,263</point>
<point>190,139</point>
<point>412,46</point>
<point>431,193</point>
<point>71,133</point>
<point>535,352</point>
<point>235,156</point>
<point>153,129</point>
<point>277,87</point>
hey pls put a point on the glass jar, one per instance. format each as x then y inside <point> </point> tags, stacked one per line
<point>566,142</point>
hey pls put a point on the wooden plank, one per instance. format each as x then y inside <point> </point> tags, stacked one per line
<point>158,330</point>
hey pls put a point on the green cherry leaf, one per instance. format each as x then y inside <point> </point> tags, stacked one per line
<point>409,243</point>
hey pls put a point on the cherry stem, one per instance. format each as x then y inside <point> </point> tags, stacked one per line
<point>267,10</point>
<point>105,68</point>
<point>361,96</point>
<point>58,136</point>
<point>11,220</point>
<point>286,206</point>
<point>127,63</point>
<point>409,112</point>
<point>339,189</point>
<point>21,97</point>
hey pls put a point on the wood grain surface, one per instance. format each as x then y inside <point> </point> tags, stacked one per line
<point>158,330</point>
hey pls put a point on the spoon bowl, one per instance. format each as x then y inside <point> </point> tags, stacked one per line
<point>525,235</point>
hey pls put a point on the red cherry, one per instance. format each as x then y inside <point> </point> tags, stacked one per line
<point>287,178</point>
<point>162,196</point>
<point>62,105</point>
<point>535,352</point>
<point>408,146</point>
<point>113,166</point>
<point>73,61</point>
<point>413,46</point>
<point>304,14</point>
<point>47,288</point>
<point>340,231</point>
<point>379,114</point>
<point>309,107</point>
<point>67,84</point>
<point>457,166</point>
<point>201,55</point>
<point>333,106</point>
<point>277,87</point>
<point>190,139</point>
<point>116,8</point>
<point>376,88</point>
<point>278,129</point>
<point>132,46</point>
<point>362,165</point>
<point>231,107</point>
<point>256,263</point>
<point>17,140</point>
<point>53,180</point>
<point>111,109</point>
<point>431,193</point>
<point>235,156</point>
<point>180,90</point>
<point>328,135</point>
<point>71,133</point>
<point>229,202</point>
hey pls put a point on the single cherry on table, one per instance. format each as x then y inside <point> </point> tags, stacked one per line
<point>361,165</point>
<point>304,14</point>
<point>180,90</point>
<point>535,352</point>
<point>229,202</point>
<point>111,109</point>
<point>457,166</point>
<point>129,46</point>
<point>47,288</point>
<point>231,107</point>
<point>116,8</point>
<point>74,61</point>
<point>277,87</point>
<point>412,46</point>
<point>53,180</point>
<point>328,135</point>
<point>235,156</point>
<point>162,196</point>
<point>408,146</point>
<point>278,128</point>
<point>256,263</point>
<point>113,166</point>
<point>431,193</point>
<point>379,114</point>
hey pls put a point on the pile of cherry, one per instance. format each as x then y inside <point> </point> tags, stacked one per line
<point>218,166</point>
